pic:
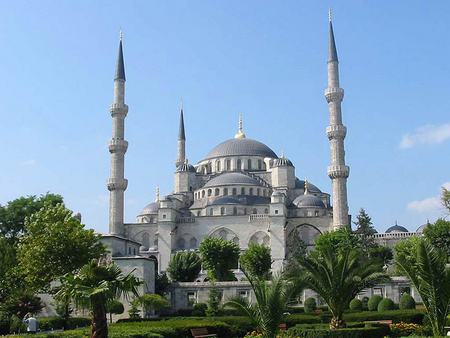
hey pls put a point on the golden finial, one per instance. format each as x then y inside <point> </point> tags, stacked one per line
<point>157,193</point>
<point>240,134</point>
<point>306,187</point>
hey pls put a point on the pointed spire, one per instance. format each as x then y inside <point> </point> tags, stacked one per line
<point>157,194</point>
<point>306,187</point>
<point>240,134</point>
<point>181,133</point>
<point>332,53</point>
<point>120,68</point>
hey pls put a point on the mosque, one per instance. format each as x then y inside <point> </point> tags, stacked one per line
<point>241,191</point>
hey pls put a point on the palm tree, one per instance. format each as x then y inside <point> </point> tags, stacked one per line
<point>430,275</point>
<point>338,277</point>
<point>271,302</point>
<point>93,286</point>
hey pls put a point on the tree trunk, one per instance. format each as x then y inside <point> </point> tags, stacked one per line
<point>99,320</point>
<point>337,322</point>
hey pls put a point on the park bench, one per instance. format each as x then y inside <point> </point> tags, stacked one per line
<point>201,332</point>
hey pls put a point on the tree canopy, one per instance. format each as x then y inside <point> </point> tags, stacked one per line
<point>54,243</point>
<point>219,256</point>
<point>184,266</point>
<point>439,234</point>
<point>256,260</point>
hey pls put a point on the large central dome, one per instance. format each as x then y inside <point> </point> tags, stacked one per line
<point>241,147</point>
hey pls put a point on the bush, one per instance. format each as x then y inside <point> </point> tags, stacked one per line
<point>374,331</point>
<point>372,305</point>
<point>385,304</point>
<point>199,309</point>
<point>57,323</point>
<point>365,301</point>
<point>310,305</point>
<point>356,305</point>
<point>405,329</point>
<point>407,316</point>
<point>256,260</point>
<point>407,302</point>
<point>184,266</point>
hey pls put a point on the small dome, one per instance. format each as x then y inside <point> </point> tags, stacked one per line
<point>150,209</point>
<point>422,228</point>
<point>185,167</point>
<point>308,201</point>
<point>282,162</point>
<point>241,147</point>
<point>233,178</point>
<point>300,184</point>
<point>143,248</point>
<point>396,228</point>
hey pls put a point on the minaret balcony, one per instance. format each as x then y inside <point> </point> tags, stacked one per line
<point>118,146</point>
<point>337,131</point>
<point>334,94</point>
<point>117,184</point>
<point>338,171</point>
<point>118,109</point>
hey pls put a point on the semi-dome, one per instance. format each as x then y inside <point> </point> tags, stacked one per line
<point>422,228</point>
<point>241,147</point>
<point>282,162</point>
<point>233,178</point>
<point>308,201</point>
<point>396,228</point>
<point>186,167</point>
<point>150,209</point>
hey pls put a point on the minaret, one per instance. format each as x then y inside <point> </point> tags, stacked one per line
<point>117,184</point>
<point>336,131</point>
<point>181,144</point>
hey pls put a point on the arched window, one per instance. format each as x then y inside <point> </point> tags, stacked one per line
<point>245,211</point>
<point>242,191</point>
<point>264,192</point>
<point>250,191</point>
<point>223,234</point>
<point>316,213</point>
<point>228,165</point>
<point>225,191</point>
<point>146,240</point>
<point>203,193</point>
<point>216,192</point>
<point>266,211</point>
<point>198,213</point>
<point>234,191</point>
<point>254,211</point>
<point>211,212</point>
<point>249,164</point>
<point>181,243</point>
<point>234,211</point>
<point>258,191</point>
<point>209,192</point>
<point>193,243</point>
<point>264,166</point>
<point>222,211</point>
<point>217,165</point>
<point>239,165</point>
<point>259,164</point>
<point>235,240</point>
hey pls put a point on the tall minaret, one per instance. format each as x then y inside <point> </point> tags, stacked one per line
<point>336,131</point>
<point>181,143</point>
<point>117,184</point>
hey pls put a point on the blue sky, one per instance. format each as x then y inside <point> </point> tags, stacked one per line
<point>264,59</point>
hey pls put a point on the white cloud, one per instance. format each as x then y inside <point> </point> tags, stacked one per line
<point>428,205</point>
<point>28,163</point>
<point>428,134</point>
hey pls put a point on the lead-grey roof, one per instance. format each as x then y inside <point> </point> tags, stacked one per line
<point>396,228</point>
<point>185,167</point>
<point>233,178</point>
<point>150,209</point>
<point>308,201</point>
<point>241,147</point>
<point>120,68</point>
<point>300,184</point>
<point>332,52</point>
<point>282,162</point>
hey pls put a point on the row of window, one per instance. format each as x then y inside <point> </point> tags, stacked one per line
<point>231,191</point>
<point>222,211</point>
<point>229,165</point>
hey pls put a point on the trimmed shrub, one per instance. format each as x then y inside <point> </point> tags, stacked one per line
<point>365,301</point>
<point>199,309</point>
<point>356,305</point>
<point>57,323</point>
<point>407,316</point>
<point>386,304</point>
<point>372,305</point>
<point>407,302</point>
<point>371,331</point>
<point>310,305</point>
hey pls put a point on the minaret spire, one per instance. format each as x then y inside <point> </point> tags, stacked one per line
<point>336,132</point>
<point>181,142</point>
<point>117,183</point>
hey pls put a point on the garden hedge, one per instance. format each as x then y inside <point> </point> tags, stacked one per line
<point>370,331</point>
<point>57,323</point>
<point>372,304</point>
<point>407,302</point>
<point>385,304</point>
<point>310,305</point>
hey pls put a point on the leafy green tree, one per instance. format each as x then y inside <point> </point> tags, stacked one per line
<point>445,197</point>
<point>7,263</point>
<point>212,309</point>
<point>439,234</point>
<point>161,284</point>
<point>114,307</point>
<point>340,241</point>
<point>381,253</point>
<point>219,256</point>
<point>426,267</point>
<point>93,287</point>
<point>338,275</point>
<point>14,213</point>
<point>256,260</point>
<point>184,266</point>
<point>54,244</point>
<point>405,251</point>
<point>271,303</point>
<point>296,251</point>
<point>152,302</point>
<point>23,304</point>
<point>365,229</point>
